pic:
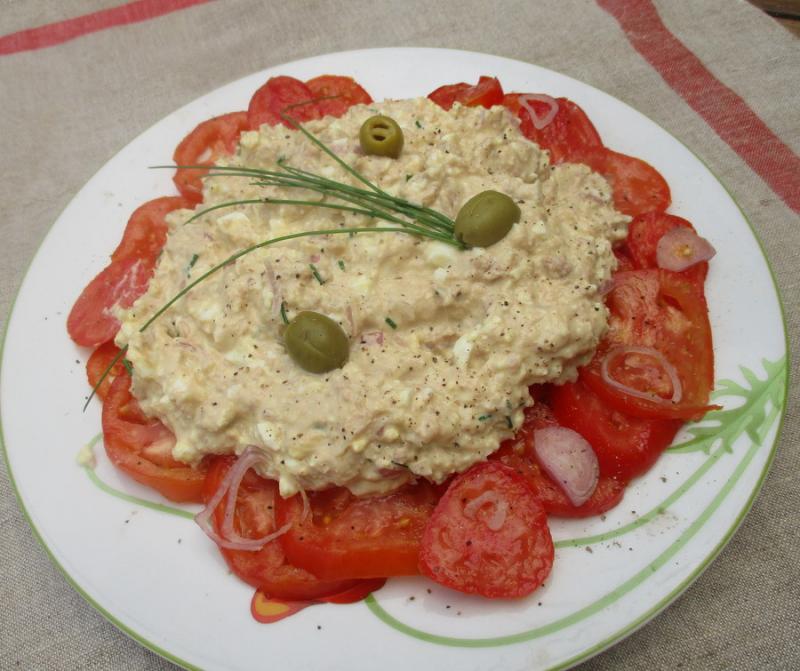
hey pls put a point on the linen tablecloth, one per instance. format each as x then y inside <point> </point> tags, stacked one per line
<point>80,78</point>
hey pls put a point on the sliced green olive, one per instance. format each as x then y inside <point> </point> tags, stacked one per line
<point>316,343</point>
<point>381,136</point>
<point>486,218</point>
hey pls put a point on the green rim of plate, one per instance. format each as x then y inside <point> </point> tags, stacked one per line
<point>586,654</point>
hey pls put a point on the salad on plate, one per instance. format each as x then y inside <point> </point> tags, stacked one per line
<point>386,339</point>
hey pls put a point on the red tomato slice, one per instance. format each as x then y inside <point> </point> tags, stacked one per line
<point>346,90</point>
<point>142,447</point>
<point>624,260</point>
<point>90,322</point>
<point>203,146</point>
<point>569,133</point>
<point>644,233</point>
<point>98,363</point>
<point>146,231</point>
<point>625,446</point>
<point>358,593</point>
<point>519,454</point>
<point>277,96</point>
<point>266,569</point>
<point>347,536</point>
<point>488,535</point>
<point>638,186</point>
<point>486,93</point>
<point>664,311</point>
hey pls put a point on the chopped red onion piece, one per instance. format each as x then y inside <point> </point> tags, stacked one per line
<point>229,538</point>
<point>544,121</point>
<point>681,248</point>
<point>569,459</point>
<point>669,369</point>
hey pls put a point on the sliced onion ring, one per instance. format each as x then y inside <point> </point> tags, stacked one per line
<point>568,459</point>
<point>682,248</point>
<point>669,369</point>
<point>229,538</point>
<point>497,519</point>
<point>543,121</point>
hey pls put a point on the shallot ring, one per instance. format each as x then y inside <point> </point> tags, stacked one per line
<point>669,369</point>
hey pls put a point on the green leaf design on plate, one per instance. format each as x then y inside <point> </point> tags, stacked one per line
<point>754,416</point>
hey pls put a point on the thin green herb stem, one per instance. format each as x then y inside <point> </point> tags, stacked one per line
<point>113,363</point>
<point>343,192</point>
<point>395,200</point>
<point>299,178</point>
<point>358,196</point>
<point>267,243</point>
<point>375,214</point>
<point>250,201</point>
<point>322,146</point>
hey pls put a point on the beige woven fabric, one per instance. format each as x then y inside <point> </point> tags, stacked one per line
<point>65,110</point>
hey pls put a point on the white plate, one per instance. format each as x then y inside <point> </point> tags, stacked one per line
<point>156,576</point>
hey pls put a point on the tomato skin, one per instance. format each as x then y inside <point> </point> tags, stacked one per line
<point>460,551</point>
<point>141,447</point>
<point>275,97</point>
<point>266,569</point>
<point>665,311</point>
<point>347,91</point>
<point>347,536</point>
<point>203,146</point>
<point>638,187</point>
<point>625,446</point>
<point>624,260</point>
<point>98,363</point>
<point>146,231</point>
<point>519,454</point>
<point>90,322</point>
<point>486,93</point>
<point>357,593</point>
<point>646,230</point>
<point>568,134</point>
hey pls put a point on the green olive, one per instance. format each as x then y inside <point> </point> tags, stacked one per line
<point>316,343</point>
<point>486,218</point>
<point>381,136</point>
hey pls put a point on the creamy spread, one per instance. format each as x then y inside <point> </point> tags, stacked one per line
<point>443,342</point>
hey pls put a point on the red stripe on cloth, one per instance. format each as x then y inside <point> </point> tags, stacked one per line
<point>728,114</point>
<point>63,31</point>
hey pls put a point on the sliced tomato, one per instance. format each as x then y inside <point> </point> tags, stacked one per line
<point>98,363</point>
<point>519,454</point>
<point>91,322</point>
<point>661,310</point>
<point>358,593</point>
<point>142,447</point>
<point>281,95</point>
<point>266,569</point>
<point>644,233</point>
<point>486,93</point>
<point>203,146</point>
<point>348,536</point>
<point>341,93</point>
<point>638,187</point>
<point>625,446</point>
<point>624,260</point>
<point>488,535</point>
<point>569,133</point>
<point>146,231</point>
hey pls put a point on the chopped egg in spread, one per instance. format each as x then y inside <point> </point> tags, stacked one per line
<point>443,342</point>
